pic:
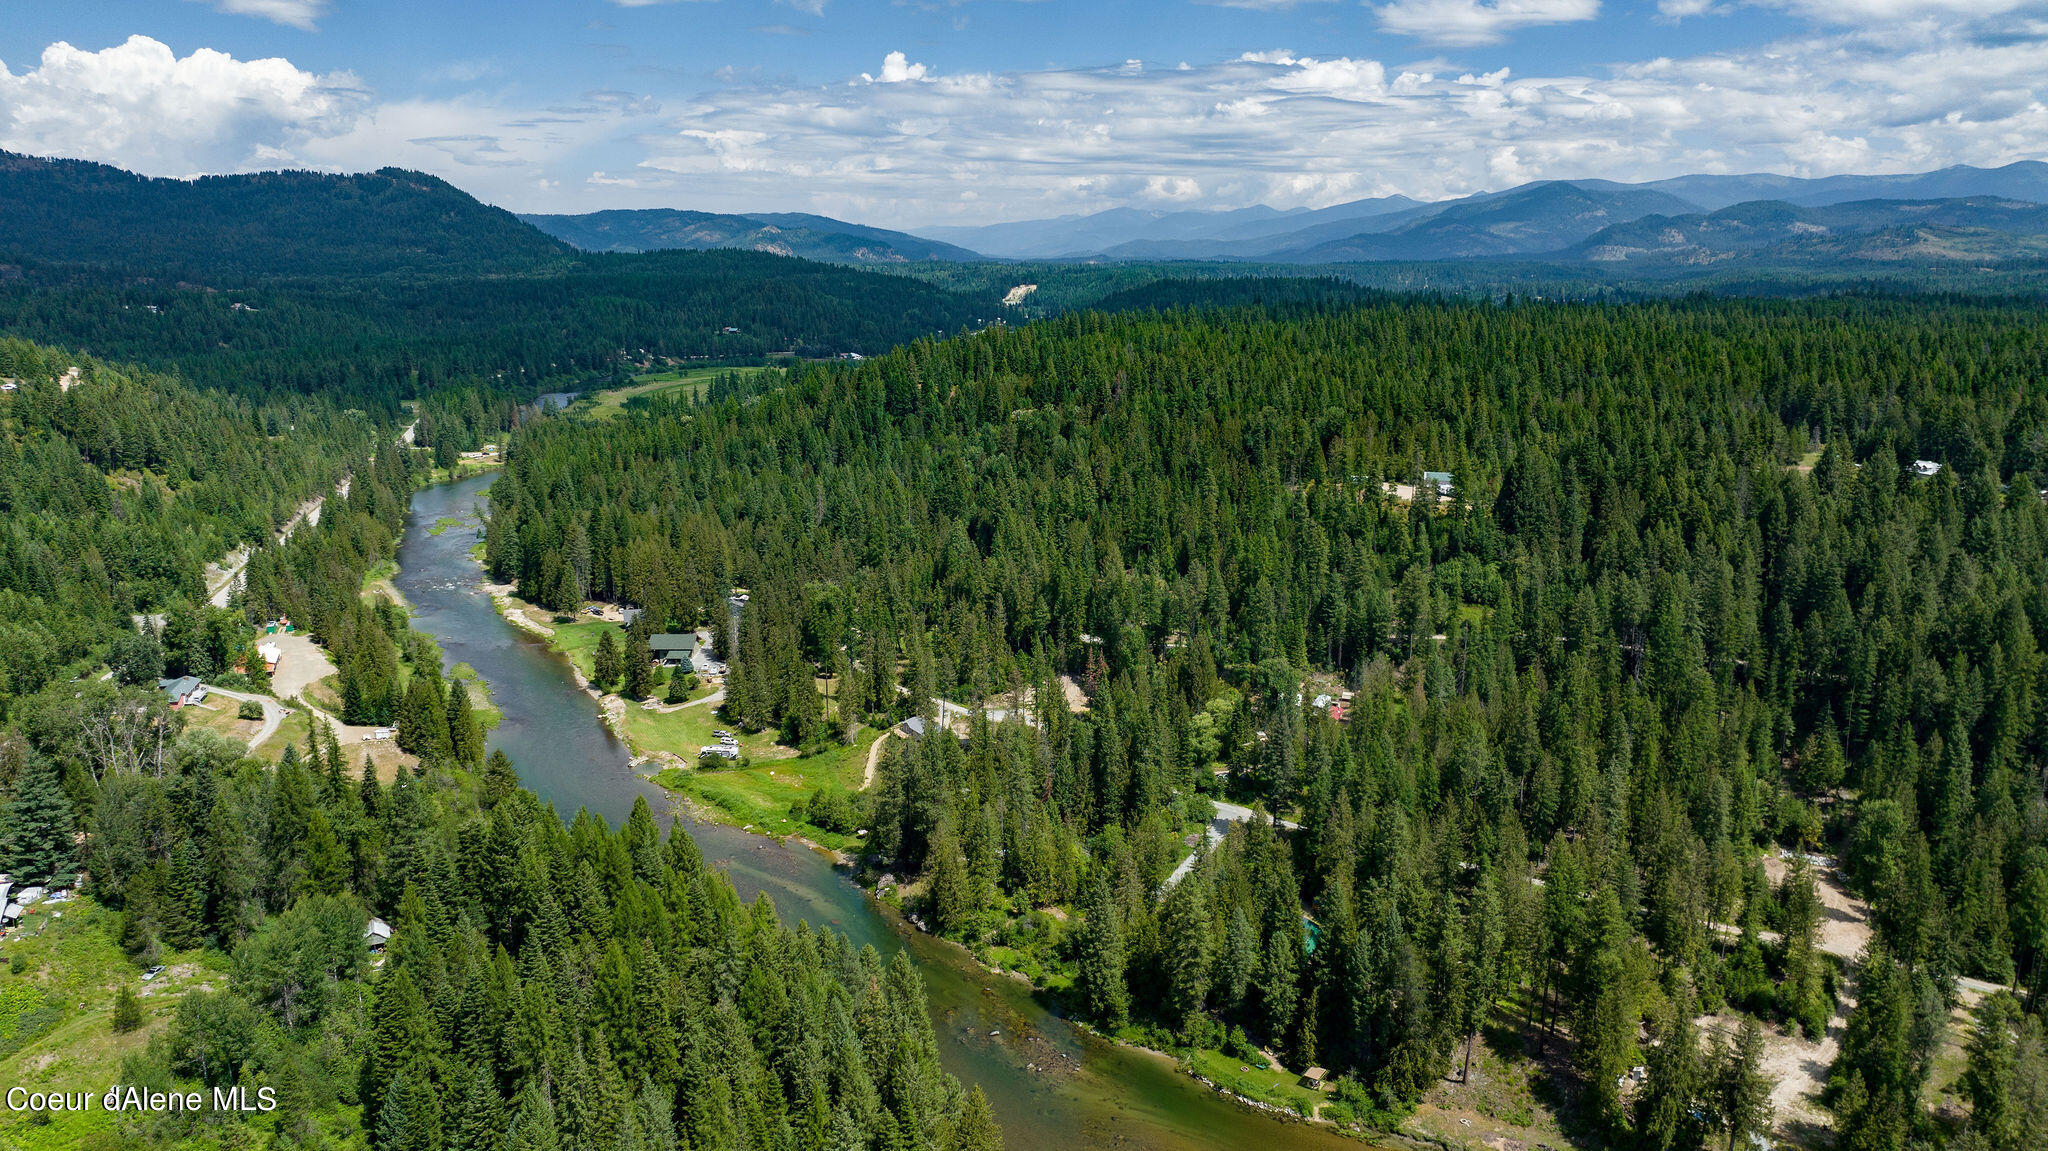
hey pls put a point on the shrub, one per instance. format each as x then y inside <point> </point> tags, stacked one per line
<point>250,709</point>
<point>127,1011</point>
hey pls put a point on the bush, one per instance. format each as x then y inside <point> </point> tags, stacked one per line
<point>127,1011</point>
<point>250,709</point>
<point>833,810</point>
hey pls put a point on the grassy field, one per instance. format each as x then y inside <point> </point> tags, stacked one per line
<point>608,405</point>
<point>462,470</point>
<point>768,793</point>
<point>56,1018</point>
<point>1281,1089</point>
<point>578,640</point>
<point>443,524</point>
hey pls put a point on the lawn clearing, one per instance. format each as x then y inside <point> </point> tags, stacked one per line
<point>1280,1089</point>
<point>56,1017</point>
<point>769,793</point>
<point>610,404</point>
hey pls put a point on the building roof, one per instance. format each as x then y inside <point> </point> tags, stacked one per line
<point>673,641</point>
<point>180,687</point>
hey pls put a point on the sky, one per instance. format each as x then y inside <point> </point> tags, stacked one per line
<point>910,113</point>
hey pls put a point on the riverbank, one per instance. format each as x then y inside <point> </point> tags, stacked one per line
<point>1053,1087</point>
<point>767,790</point>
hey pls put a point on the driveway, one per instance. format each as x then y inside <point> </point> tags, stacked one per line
<point>1226,814</point>
<point>273,713</point>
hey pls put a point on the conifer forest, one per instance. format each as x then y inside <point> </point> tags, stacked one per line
<point>1380,690</point>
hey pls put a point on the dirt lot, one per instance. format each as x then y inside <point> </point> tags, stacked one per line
<point>1845,920</point>
<point>303,664</point>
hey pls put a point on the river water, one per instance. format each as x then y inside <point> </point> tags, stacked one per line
<point>1051,1085</point>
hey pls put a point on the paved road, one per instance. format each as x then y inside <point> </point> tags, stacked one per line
<point>273,713</point>
<point>1226,814</point>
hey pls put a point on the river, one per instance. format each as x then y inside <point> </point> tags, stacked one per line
<point>1051,1085</point>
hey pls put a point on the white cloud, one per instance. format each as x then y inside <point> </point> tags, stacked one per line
<point>1469,22</point>
<point>301,14</point>
<point>897,68</point>
<point>1866,12</point>
<point>142,107</point>
<point>911,145</point>
<point>1288,129</point>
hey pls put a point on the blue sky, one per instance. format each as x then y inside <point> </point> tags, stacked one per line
<point>969,111</point>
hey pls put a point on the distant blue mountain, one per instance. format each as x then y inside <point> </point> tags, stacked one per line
<point>1530,220</point>
<point>783,233</point>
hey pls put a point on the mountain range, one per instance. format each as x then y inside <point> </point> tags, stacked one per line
<point>1553,220</point>
<point>260,225</point>
<point>783,233</point>
<point>271,225</point>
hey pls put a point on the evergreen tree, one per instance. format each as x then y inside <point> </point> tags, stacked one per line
<point>639,670</point>
<point>1742,1093</point>
<point>127,1011</point>
<point>607,661</point>
<point>465,735</point>
<point>1100,964</point>
<point>37,825</point>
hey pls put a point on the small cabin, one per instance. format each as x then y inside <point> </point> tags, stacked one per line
<point>1315,1078</point>
<point>1443,482</point>
<point>1926,469</point>
<point>674,649</point>
<point>376,934</point>
<point>183,690</point>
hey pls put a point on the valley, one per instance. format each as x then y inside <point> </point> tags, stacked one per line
<point>1390,674</point>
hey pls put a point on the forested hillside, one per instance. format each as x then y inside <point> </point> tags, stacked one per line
<point>372,342</point>
<point>379,287</point>
<point>544,986</point>
<point>237,229</point>
<point>1686,605</point>
<point>118,486</point>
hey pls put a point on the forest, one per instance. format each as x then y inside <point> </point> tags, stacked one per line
<point>1691,604</point>
<point>118,486</point>
<point>432,962</point>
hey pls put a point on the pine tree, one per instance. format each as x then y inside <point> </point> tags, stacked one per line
<point>2007,1076</point>
<point>127,1010</point>
<point>949,901</point>
<point>1190,949</point>
<point>500,780</point>
<point>1669,1101</point>
<point>639,670</point>
<point>975,1128</point>
<point>608,665</point>
<point>465,736</point>
<point>1741,1090</point>
<point>1100,965</point>
<point>37,825</point>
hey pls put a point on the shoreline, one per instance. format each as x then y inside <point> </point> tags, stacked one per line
<point>513,612</point>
